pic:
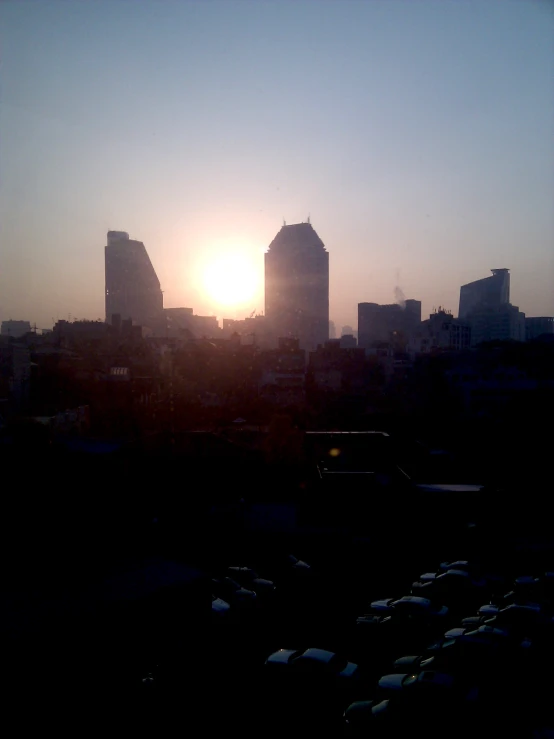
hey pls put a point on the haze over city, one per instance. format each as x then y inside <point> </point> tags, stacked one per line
<point>417,137</point>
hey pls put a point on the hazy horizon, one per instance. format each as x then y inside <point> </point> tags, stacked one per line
<point>417,137</point>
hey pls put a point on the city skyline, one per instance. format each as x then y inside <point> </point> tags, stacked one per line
<point>418,137</point>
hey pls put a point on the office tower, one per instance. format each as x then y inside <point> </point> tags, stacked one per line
<point>485,306</point>
<point>297,286</point>
<point>489,293</point>
<point>132,286</point>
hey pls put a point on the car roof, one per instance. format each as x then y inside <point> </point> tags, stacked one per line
<point>317,655</point>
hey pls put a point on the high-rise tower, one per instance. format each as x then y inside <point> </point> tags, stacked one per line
<point>132,286</point>
<point>490,293</point>
<point>297,286</point>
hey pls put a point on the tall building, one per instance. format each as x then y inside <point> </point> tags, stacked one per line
<point>376,323</point>
<point>485,306</point>
<point>490,293</point>
<point>297,286</point>
<point>132,286</point>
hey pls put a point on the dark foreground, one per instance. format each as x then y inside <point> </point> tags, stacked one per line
<point>108,573</point>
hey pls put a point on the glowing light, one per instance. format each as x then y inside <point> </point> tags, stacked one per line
<point>231,280</point>
<point>334,452</point>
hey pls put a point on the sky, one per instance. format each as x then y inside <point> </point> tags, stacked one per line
<point>417,135</point>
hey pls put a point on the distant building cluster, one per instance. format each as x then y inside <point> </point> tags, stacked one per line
<point>297,309</point>
<point>297,305</point>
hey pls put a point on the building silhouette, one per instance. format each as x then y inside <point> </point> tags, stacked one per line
<point>132,286</point>
<point>297,286</point>
<point>15,329</point>
<point>377,323</point>
<point>485,306</point>
<point>348,331</point>
<point>440,332</point>
<point>536,326</point>
<point>505,323</point>
<point>490,293</point>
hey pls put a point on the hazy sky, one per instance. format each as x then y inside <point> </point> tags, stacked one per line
<point>418,135</point>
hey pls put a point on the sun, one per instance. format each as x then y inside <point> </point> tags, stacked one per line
<point>231,281</point>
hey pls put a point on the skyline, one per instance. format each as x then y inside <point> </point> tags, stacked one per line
<point>416,136</point>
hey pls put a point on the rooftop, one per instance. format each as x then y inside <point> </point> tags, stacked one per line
<point>297,235</point>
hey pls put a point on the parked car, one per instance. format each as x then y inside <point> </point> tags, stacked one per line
<point>459,564</point>
<point>527,586</point>
<point>524,620</point>
<point>409,606</point>
<point>318,663</point>
<point>488,610</point>
<point>450,586</point>
<point>441,657</point>
<point>528,589</point>
<point>430,691</point>
<point>298,565</point>
<point>310,688</point>
<point>412,681</point>
<point>220,608</point>
<point>248,578</point>
<point>405,623</point>
<point>229,590</point>
<point>423,714</point>
<point>501,642</point>
<point>485,632</point>
<point>363,715</point>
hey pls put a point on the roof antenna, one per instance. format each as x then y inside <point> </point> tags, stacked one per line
<point>284,222</point>
<point>309,218</point>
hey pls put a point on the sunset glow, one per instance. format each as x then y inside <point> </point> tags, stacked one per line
<point>231,281</point>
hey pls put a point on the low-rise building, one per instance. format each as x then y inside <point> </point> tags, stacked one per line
<point>15,373</point>
<point>15,329</point>
<point>505,323</point>
<point>283,376</point>
<point>377,323</point>
<point>338,368</point>
<point>251,330</point>
<point>440,332</point>
<point>536,326</point>
<point>348,341</point>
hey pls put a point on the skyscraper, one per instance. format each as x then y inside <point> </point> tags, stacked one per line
<point>488,293</point>
<point>485,305</point>
<point>132,286</point>
<point>297,286</point>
